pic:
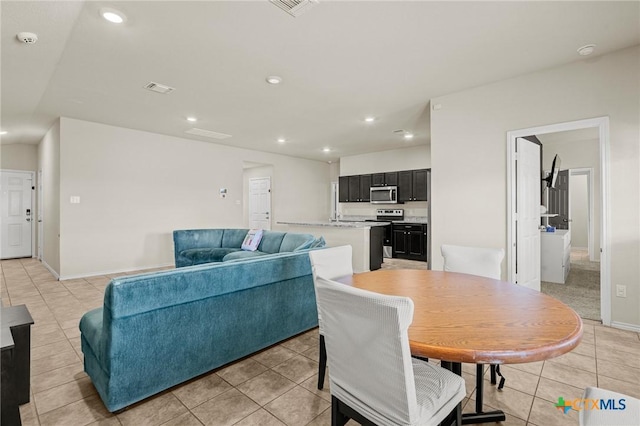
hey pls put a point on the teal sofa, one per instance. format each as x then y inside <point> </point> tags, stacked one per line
<point>160,329</point>
<point>198,246</point>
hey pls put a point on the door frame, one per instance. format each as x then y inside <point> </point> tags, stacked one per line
<point>588,172</point>
<point>33,203</point>
<point>602,124</point>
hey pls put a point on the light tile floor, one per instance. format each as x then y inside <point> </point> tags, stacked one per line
<point>276,386</point>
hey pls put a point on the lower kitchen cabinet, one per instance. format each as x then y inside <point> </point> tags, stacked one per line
<point>410,241</point>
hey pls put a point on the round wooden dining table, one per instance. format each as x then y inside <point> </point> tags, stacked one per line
<point>461,318</point>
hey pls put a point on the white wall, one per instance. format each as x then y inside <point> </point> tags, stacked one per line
<point>137,187</point>
<point>468,149</point>
<point>49,163</point>
<point>19,157</point>
<point>579,205</point>
<point>415,157</point>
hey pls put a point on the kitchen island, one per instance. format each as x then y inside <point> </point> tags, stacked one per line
<point>364,237</point>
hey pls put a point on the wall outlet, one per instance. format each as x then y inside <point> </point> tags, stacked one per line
<point>621,290</point>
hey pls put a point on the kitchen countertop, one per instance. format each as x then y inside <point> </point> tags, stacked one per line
<point>336,224</point>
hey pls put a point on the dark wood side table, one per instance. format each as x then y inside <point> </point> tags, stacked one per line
<point>15,336</point>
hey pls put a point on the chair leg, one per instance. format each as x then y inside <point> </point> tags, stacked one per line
<point>337,418</point>
<point>322,365</point>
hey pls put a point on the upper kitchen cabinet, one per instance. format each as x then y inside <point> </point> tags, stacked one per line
<point>343,189</point>
<point>354,189</point>
<point>384,179</point>
<point>413,185</point>
<point>365,188</point>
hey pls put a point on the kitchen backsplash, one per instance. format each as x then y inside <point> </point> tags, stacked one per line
<point>415,210</point>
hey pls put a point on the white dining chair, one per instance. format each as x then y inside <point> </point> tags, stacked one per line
<point>619,409</point>
<point>374,380</point>
<point>481,261</point>
<point>485,262</point>
<point>331,263</point>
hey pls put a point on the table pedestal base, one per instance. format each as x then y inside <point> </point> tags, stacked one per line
<point>479,416</point>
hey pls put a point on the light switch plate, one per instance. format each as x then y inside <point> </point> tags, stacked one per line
<point>74,199</point>
<point>621,290</point>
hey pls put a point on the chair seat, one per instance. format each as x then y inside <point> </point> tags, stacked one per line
<point>437,391</point>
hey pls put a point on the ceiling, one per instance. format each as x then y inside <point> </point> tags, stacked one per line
<point>340,61</point>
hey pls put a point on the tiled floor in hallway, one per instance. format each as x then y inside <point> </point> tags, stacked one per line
<point>276,386</point>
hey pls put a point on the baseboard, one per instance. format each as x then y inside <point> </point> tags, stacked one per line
<point>112,272</point>
<point>625,326</point>
<point>50,269</point>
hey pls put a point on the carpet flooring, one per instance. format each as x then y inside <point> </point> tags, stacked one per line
<point>581,291</point>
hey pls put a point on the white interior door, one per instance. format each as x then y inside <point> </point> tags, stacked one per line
<point>528,214</point>
<point>16,214</point>
<point>260,203</point>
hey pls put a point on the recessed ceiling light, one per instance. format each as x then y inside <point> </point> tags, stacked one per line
<point>4,132</point>
<point>408,135</point>
<point>192,119</point>
<point>326,149</point>
<point>281,140</point>
<point>112,15</point>
<point>369,119</point>
<point>586,50</point>
<point>274,79</point>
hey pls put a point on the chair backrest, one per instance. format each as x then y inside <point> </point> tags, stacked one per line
<point>480,261</point>
<point>368,351</point>
<point>332,262</point>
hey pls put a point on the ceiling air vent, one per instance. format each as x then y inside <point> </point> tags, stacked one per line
<point>207,133</point>
<point>295,7</point>
<point>158,88</point>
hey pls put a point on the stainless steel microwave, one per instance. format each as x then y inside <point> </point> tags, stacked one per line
<point>384,194</point>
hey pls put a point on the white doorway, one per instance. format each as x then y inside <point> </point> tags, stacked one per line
<point>526,253</point>
<point>260,203</point>
<point>602,125</point>
<point>16,214</point>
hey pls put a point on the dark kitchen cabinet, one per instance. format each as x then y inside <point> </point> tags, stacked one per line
<point>410,241</point>
<point>354,188</point>
<point>413,185</point>
<point>384,179</point>
<point>376,243</point>
<point>343,189</point>
<point>405,186</point>
<point>365,188</point>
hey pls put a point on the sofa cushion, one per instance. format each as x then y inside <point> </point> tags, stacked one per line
<point>271,241</point>
<point>233,238</point>
<point>243,254</point>
<point>207,255</point>
<point>293,242</point>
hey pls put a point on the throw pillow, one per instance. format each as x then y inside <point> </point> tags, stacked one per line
<point>252,240</point>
